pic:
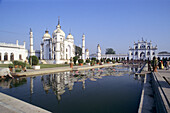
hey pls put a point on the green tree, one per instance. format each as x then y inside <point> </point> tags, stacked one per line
<point>78,51</point>
<point>34,61</point>
<point>75,59</point>
<point>110,51</point>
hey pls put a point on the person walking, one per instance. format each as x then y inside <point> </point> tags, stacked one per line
<point>167,65</point>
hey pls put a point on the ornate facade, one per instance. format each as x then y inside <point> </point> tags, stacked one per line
<point>57,49</point>
<point>142,50</point>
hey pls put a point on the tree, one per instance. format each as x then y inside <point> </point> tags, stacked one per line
<point>78,51</point>
<point>33,60</point>
<point>75,59</point>
<point>110,51</point>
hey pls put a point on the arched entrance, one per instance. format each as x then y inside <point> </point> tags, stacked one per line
<point>142,55</point>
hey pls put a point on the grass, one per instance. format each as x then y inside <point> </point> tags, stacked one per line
<point>41,65</point>
<point>4,65</point>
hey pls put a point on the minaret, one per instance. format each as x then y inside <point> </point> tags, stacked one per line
<point>31,42</point>
<point>98,52</point>
<point>83,47</point>
<point>57,45</point>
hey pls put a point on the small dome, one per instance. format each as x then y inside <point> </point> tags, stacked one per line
<point>70,36</point>
<point>46,35</point>
<point>87,50</point>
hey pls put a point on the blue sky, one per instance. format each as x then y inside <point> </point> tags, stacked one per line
<point>111,23</point>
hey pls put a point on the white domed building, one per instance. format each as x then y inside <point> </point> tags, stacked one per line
<point>142,50</point>
<point>57,49</point>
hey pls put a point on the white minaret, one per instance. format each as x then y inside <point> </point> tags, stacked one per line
<point>98,52</point>
<point>31,43</point>
<point>87,54</point>
<point>83,47</point>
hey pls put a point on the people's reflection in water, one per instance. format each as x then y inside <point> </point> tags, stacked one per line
<point>10,83</point>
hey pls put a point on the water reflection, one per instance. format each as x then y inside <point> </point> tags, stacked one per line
<point>11,83</point>
<point>65,80</point>
<point>59,82</point>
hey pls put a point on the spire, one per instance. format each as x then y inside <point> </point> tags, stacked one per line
<point>70,31</point>
<point>142,39</point>
<point>58,20</point>
<point>30,30</point>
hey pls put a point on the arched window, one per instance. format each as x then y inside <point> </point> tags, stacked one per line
<point>20,57</point>
<point>132,53</point>
<point>11,57</point>
<point>136,53</point>
<point>148,53</point>
<point>6,57</point>
<point>148,47</point>
<point>153,53</point>
<point>66,50</point>
<point>0,56</point>
<point>136,47</point>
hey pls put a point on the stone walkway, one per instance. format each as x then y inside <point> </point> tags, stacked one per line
<point>31,72</point>
<point>10,104</point>
<point>162,83</point>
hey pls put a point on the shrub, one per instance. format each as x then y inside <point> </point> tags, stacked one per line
<point>66,63</point>
<point>75,59</point>
<point>15,63</point>
<point>19,63</point>
<point>87,60</point>
<point>113,61</point>
<point>97,61</point>
<point>34,60</point>
<point>80,61</point>
<point>101,60</point>
<point>92,62</point>
<point>108,60</point>
<point>11,65</point>
<point>23,65</point>
<point>93,58</point>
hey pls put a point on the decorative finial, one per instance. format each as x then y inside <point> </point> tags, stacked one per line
<point>142,39</point>
<point>58,20</point>
<point>30,30</point>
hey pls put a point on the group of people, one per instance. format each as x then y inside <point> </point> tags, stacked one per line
<point>164,63</point>
<point>158,63</point>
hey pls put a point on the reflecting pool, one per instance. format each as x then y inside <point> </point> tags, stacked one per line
<point>106,90</point>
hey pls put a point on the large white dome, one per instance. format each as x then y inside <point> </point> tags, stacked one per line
<point>58,30</point>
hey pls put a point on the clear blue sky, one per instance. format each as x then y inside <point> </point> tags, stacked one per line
<point>111,23</point>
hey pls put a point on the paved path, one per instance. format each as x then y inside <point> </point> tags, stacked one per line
<point>32,72</point>
<point>10,104</point>
<point>162,78</point>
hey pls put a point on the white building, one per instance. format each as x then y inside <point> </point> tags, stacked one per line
<point>142,50</point>
<point>57,49</point>
<point>11,52</point>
